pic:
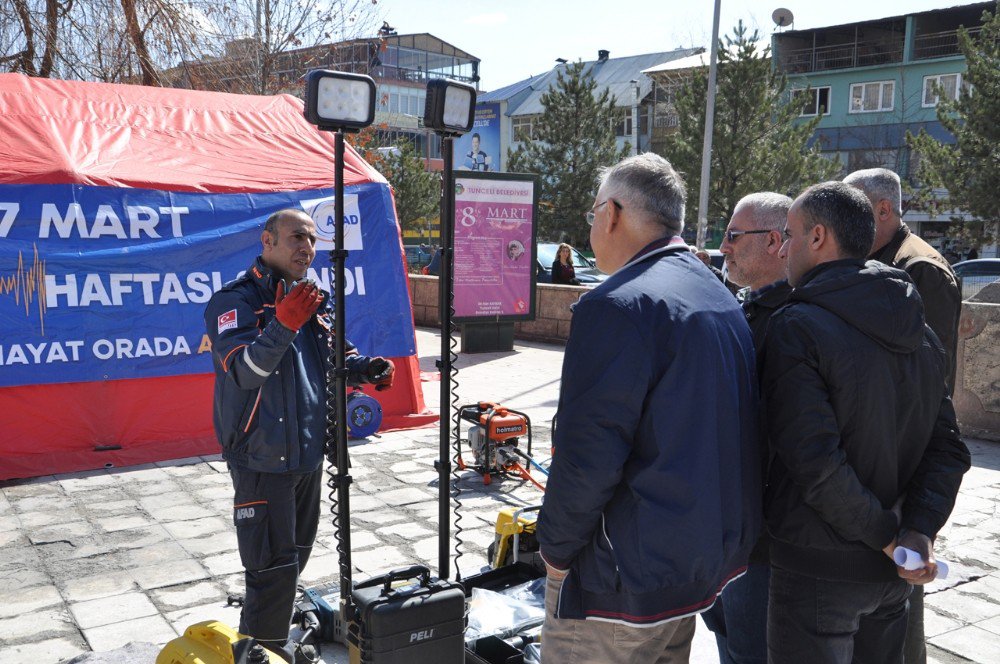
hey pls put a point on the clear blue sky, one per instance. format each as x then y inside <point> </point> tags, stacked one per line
<point>518,38</point>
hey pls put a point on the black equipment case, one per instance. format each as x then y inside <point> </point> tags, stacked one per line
<point>417,623</point>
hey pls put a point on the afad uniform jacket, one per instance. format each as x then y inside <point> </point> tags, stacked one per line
<point>858,416</point>
<point>270,396</point>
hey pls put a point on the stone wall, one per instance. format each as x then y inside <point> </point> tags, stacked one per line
<point>977,397</point>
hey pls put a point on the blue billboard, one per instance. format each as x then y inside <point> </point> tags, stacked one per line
<point>479,150</point>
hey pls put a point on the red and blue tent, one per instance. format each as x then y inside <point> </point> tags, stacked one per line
<point>122,208</point>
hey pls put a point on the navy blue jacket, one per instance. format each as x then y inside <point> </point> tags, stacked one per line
<point>653,501</point>
<point>270,382</point>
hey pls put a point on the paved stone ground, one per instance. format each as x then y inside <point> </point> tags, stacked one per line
<point>93,561</point>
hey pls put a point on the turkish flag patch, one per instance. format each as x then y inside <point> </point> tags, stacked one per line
<point>227,321</point>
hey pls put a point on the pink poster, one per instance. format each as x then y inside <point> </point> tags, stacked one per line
<point>494,264</point>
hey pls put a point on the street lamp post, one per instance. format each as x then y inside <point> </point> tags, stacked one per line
<point>449,112</point>
<point>340,102</point>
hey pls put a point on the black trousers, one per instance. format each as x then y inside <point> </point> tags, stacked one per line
<point>276,517</point>
<point>835,622</point>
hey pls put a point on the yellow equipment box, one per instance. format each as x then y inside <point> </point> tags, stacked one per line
<point>209,642</point>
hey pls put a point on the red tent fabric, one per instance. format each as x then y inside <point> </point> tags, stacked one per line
<point>59,132</point>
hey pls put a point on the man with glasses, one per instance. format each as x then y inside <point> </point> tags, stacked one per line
<point>752,247</point>
<point>866,452</point>
<point>653,497</point>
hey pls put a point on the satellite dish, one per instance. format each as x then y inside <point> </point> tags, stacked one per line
<point>782,17</point>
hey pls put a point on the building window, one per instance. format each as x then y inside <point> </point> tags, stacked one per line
<point>815,101</point>
<point>522,127</point>
<point>872,97</point>
<point>948,84</point>
<point>623,123</point>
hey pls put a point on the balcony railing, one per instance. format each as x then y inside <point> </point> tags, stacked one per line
<point>840,56</point>
<point>939,44</point>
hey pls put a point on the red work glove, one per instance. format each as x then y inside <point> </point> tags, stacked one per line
<point>380,372</point>
<point>296,308</point>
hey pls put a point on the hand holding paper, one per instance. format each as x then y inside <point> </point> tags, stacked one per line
<point>910,560</point>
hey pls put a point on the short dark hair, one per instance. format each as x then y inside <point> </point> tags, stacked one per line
<point>476,135</point>
<point>845,211</point>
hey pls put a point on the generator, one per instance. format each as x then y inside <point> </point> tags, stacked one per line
<point>494,438</point>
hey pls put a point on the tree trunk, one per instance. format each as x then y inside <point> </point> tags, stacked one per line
<point>149,74</point>
<point>27,56</point>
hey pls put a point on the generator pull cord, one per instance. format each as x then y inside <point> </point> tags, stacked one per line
<point>447,489</point>
<point>336,411</point>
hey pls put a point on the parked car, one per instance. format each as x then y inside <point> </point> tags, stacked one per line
<point>586,271</point>
<point>976,274</point>
<point>417,257</point>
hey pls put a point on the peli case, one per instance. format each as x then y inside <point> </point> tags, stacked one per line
<point>422,622</point>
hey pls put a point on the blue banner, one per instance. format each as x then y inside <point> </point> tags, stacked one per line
<point>104,283</point>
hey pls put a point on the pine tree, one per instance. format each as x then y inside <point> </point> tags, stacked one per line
<point>758,144</point>
<point>970,168</point>
<point>573,139</point>
<point>416,190</point>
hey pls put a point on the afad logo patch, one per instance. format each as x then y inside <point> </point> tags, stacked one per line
<point>227,321</point>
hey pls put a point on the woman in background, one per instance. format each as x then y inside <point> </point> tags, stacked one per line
<point>562,266</point>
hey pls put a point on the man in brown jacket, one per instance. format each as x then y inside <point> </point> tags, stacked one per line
<point>897,247</point>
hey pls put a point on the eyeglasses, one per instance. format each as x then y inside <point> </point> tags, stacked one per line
<point>732,235</point>
<point>590,215</point>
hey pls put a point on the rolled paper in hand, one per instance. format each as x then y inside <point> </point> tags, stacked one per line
<point>910,560</point>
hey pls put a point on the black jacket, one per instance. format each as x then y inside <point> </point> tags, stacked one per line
<point>858,415</point>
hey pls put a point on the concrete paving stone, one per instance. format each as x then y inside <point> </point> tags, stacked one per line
<point>182,512</point>
<point>126,507</point>
<point>181,619</point>
<point>186,595</point>
<point>377,561</point>
<point>215,494</point>
<point>183,467</point>
<point>16,576</point>
<point>162,552</point>
<point>991,625</point>
<point>973,643</point>
<point>141,537</point>
<point>958,534</point>
<point>223,563</point>
<point>153,629</point>
<point>166,500</point>
<point>408,466</point>
<point>52,651</point>
<point>936,624</point>
<point>37,626</point>
<point>208,526</point>
<point>106,494</point>
<point>78,530</point>
<point>53,502</point>
<point>360,539</point>
<point>363,503</point>
<point>112,609</point>
<point>33,520</point>
<point>72,568</point>
<point>147,472</point>
<point>936,655</point>
<point>960,606</point>
<point>407,496</point>
<point>9,521</point>
<point>990,525</point>
<point>408,531</point>
<point>25,600</point>
<point>96,586</point>
<point>378,517</point>
<point>322,569</point>
<point>217,463</point>
<point>209,544</point>
<point>12,538</point>
<point>234,583</point>
<point>170,573</point>
<point>114,524</point>
<point>4,503</point>
<point>959,574</point>
<point>31,486</point>
<point>981,554</point>
<point>154,488</point>
<point>86,480</point>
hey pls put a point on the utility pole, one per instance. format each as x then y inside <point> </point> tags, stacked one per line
<point>706,146</point>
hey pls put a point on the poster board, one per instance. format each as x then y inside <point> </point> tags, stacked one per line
<point>495,262</point>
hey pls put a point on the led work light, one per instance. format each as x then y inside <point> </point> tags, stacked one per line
<point>338,101</point>
<point>450,107</point>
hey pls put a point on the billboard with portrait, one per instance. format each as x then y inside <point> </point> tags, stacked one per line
<point>479,150</point>
<point>494,260</point>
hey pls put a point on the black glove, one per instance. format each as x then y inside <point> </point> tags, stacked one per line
<point>380,372</point>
